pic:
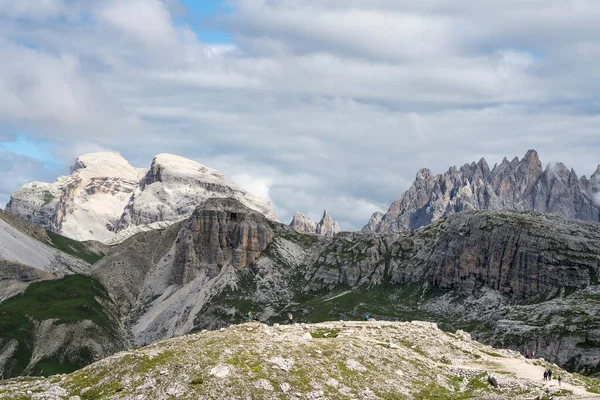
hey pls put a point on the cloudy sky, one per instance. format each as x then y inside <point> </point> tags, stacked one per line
<point>314,103</point>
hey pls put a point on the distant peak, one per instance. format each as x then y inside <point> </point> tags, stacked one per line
<point>531,155</point>
<point>99,158</point>
<point>424,173</point>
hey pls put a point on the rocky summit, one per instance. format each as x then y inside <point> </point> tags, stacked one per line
<point>107,200</point>
<point>518,185</point>
<point>325,227</point>
<point>334,360</point>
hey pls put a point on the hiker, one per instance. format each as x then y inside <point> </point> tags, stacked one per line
<point>533,354</point>
<point>366,317</point>
<point>290,318</point>
<point>559,380</point>
<point>527,353</point>
<point>249,316</point>
<point>549,374</point>
<point>545,374</point>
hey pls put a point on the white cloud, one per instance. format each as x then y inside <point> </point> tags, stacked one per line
<point>32,9</point>
<point>148,21</point>
<point>260,186</point>
<point>317,104</point>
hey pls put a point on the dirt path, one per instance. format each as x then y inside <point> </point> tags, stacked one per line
<point>525,369</point>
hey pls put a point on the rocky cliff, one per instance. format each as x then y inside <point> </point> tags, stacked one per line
<point>466,269</point>
<point>108,200</point>
<point>519,185</point>
<point>513,279</point>
<point>325,227</point>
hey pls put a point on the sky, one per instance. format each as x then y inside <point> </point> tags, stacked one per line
<point>314,104</point>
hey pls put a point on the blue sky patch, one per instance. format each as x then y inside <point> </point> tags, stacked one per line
<point>201,20</point>
<point>36,149</point>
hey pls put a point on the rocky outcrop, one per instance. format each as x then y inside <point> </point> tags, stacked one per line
<point>518,185</point>
<point>220,232</point>
<point>327,226</point>
<point>303,224</point>
<point>108,200</point>
<point>373,224</point>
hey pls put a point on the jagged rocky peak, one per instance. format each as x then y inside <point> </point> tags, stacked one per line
<point>108,200</point>
<point>511,185</point>
<point>327,226</point>
<point>373,224</point>
<point>219,232</point>
<point>303,224</point>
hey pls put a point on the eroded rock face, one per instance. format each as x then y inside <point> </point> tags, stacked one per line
<point>326,227</point>
<point>303,224</point>
<point>219,233</point>
<point>518,185</point>
<point>374,222</point>
<point>108,200</point>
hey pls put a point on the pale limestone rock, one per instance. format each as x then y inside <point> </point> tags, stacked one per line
<point>108,200</point>
<point>303,224</point>
<point>220,371</point>
<point>327,226</point>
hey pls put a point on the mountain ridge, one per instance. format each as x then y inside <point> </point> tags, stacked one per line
<point>519,185</point>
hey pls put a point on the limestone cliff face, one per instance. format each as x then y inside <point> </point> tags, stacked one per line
<point>518,185</point>
<point>219,232</point>
<point>522,255</point>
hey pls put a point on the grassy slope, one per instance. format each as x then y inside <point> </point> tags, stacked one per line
<point>71,299</point>
<point>74,248</point>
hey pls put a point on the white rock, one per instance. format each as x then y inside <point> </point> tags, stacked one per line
<point>354,365</point>
<point>282,363</point>
<point>263,384</point>
<point>285,387</point>
<point>220,371</point>
<point>332,382</point>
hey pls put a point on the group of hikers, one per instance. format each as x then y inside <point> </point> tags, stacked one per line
<point>548,372</point>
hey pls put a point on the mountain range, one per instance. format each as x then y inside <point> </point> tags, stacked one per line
<point>519,185</point>
<point>107,200</point>
<point>512,278</point>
